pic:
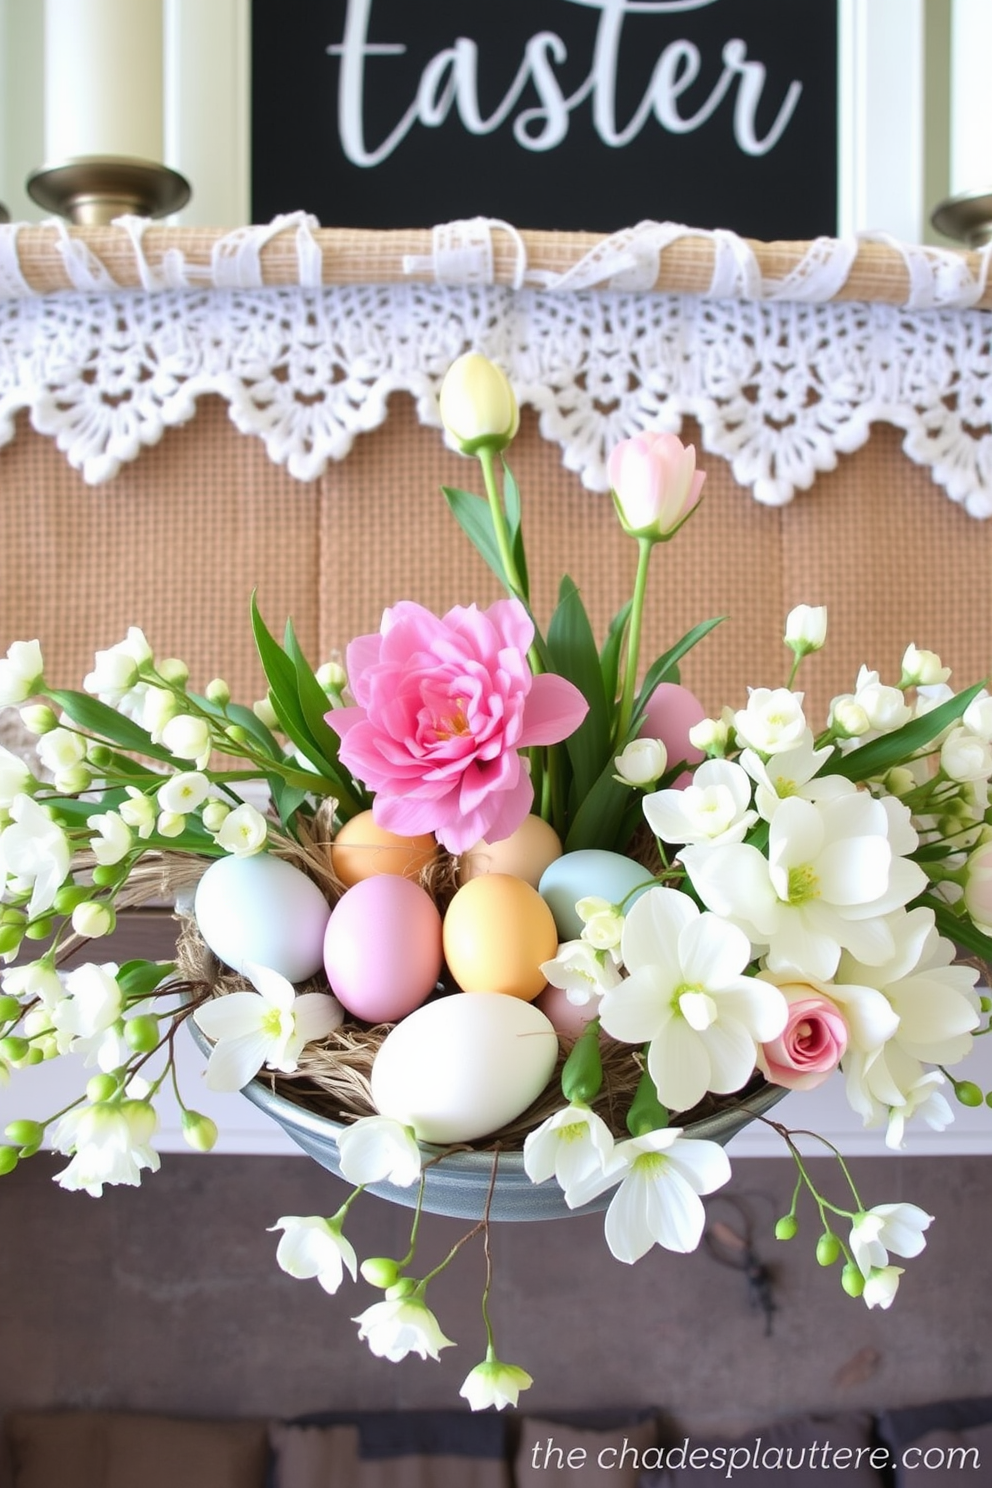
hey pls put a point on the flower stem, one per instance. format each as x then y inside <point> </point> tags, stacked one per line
<point>511,574</point>
<point>644,546</point>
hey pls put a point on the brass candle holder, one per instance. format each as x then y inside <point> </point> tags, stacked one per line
<point>94,189</point>
<point>966,218</point>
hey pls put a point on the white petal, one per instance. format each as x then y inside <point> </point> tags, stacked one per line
<point>855,870</point>
<point>676,1212</point>
<point>231,1016</point>
<point>679,1066</point>
<point>704,1165</point>
<point>274,987</point>
<point>732,1055</point>
<point>628,1231</point>
<point>640,1007</point>
<point>235,1061</point>
<point>317,1014</point>
<point>712,952</point>
<point>651,931</point>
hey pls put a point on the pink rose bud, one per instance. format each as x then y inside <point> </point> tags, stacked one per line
<point>810,1046</point>
<point>655,484</point>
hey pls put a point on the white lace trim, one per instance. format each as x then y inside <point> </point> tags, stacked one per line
<point>781,388</point>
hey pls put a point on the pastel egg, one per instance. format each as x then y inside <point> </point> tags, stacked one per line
<point>590,871</point>
<point>462,1067</point>
<point>382,948</point>
<point>361,849</point>
<point>567,1018</point>
<point>262,909</point>
<point>524,854</point>
<point>672,710</point>
<point>497,931</point>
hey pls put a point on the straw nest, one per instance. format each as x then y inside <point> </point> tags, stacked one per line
<point>333,1078</point>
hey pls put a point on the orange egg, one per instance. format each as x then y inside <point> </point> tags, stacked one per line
<point>526,853</point>
<point>496,933</point>
<point>362,849</point>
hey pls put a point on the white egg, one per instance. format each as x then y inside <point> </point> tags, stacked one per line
<point>262,909</point>
<point>463,1066</point>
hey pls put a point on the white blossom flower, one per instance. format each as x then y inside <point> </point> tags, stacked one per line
<point>829,881</point>
<point>922,668</point>
<point>572,1145</point>
<point>642,762</point>
<point>159,706</point>
<point>494,1383</point>
<point>806,628</point>
<point>89,1011</point>
<point>21,672</point>
<point>401,1326</point>
<point>581,971</point>
<point>772,721</point>
<point>36,979</point>
<point>110,1143</point>
<point>881,1286</point>
<point>311,1246</point>
<point>15,778</point>
<point>93,919</point>
<point>243,831</point>
<point>377,1149</point>
<point>965,756</point>
<point>35,850</point>
<point>269,1026</point>
<point>848,718</point>
<point>923,1097</point>
<point>714,808</point>
<point>711,735</point>
<point>886,707</point>
<point>887,1227</point>
<point>686,992</point>
<point>188,738</point>
<point>61,749</point>
<point>184,792</point>
<point>113,840</point>
<point>138,811</point>
<point>602,922</point>
<point>662,1175</point>
<point>116,670</point>
<point>792,772</point>
<point>978,716</point>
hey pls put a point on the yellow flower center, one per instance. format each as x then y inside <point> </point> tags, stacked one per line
<point>803,885</point>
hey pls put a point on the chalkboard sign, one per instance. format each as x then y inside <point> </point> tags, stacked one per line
<point>559,114</point>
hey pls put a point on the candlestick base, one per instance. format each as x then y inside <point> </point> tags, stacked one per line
<point>94,189</point>
<point>967,217</point>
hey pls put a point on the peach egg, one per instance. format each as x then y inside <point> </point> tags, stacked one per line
<point>362,849</point>
<point>524,854</point>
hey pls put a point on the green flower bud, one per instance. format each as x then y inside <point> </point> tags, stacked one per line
<point>93,919</point>
<point>25,1133</point>
<point>14,1048</point>
<point>106,875</point>
<point>100,756</point>
<point>787,1228</point>
<point>237,733</point>
<point>141,1033</point>
<point>214,815</point>
<point>35,1055</point>
<point>827,1249</point>
<point>8,1160</point>
<point>173,670</point>
<point>39,718</point>
<point>218,692</point>
<point>12,916</point>
<point>39,929</point>
<point>10,939</point>
<point>401,1288</point>
<point>968,1093</point>
<point>380,1271</point>
<point>69,895</point>
<point>199,1131</point>
<point>582,1075</point>
<point>100,1088</point>
<point>851,1280</point>
<point>10,1008</point>
<point>646,1112</point>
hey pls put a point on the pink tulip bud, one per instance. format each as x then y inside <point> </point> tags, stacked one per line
<point>655,484</point>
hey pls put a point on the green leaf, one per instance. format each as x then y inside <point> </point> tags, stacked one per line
<point>959,929</point>
<point>512,507</point>
<point>236,713</point>
<point>106,723</point>
<point>138,978</point>
<point>475,519</point>
<point>874,759</point>
<point>572,652</point>
<point>281,677</point>
<point>598,822</point>
<point>662,669</point>
<point>609,657</point>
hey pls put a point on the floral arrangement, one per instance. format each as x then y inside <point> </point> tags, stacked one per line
<point>552,904</point>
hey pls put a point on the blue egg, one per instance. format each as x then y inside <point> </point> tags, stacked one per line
<point>592,870</point>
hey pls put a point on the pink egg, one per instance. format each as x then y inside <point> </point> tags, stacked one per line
<point>382,948</point>
<point>568,1018</point>
<point>671,712</point>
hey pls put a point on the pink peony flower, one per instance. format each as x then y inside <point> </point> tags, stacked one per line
<point>442,708</point>
<point>655,484</point>
<point>810,1046</point>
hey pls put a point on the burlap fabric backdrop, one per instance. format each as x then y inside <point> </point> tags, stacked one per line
<point>179,539</point>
